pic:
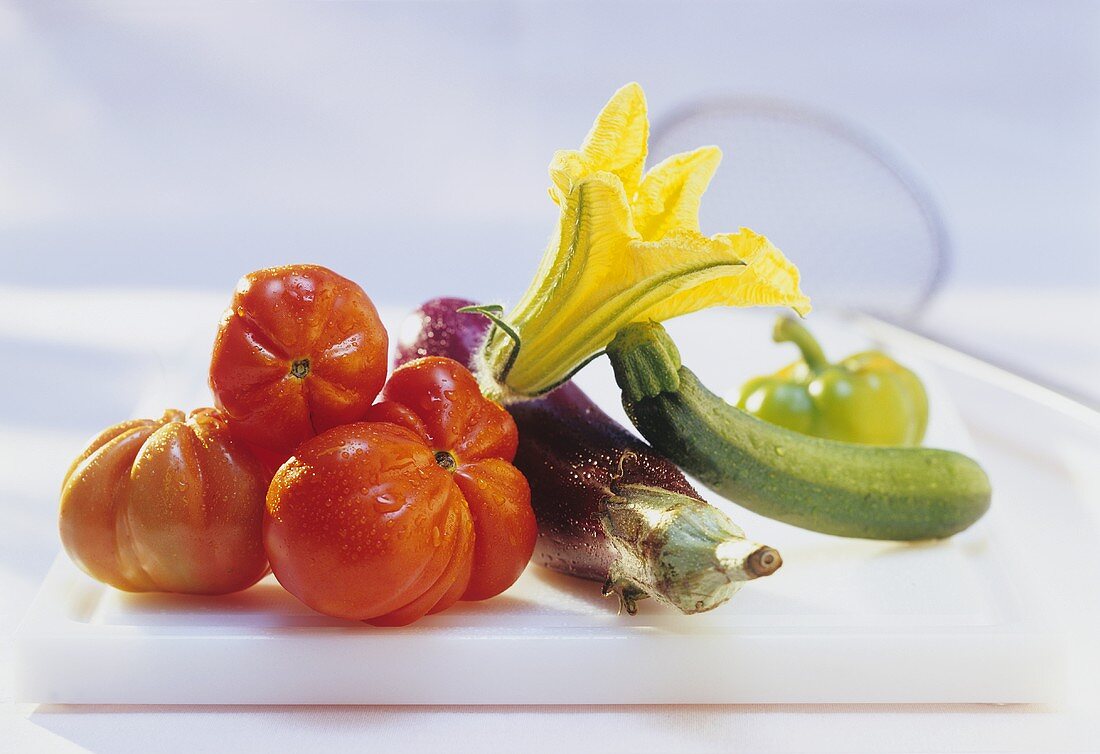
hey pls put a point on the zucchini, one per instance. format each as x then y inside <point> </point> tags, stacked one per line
<point>840,488</point>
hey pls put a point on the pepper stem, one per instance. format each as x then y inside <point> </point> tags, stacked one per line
<point>790,330</point>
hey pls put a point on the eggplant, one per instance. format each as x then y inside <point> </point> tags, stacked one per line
<point>609,507</point>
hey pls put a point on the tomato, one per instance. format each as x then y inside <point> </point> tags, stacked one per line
<point>172,505</point>
<point>406,513</point>
<point>300,350</point>
<point>475,439</point>
<point>363,522</point>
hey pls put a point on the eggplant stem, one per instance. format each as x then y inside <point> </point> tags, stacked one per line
<point>763,562</point>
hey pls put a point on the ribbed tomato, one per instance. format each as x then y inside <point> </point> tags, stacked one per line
<point>300,350</point>
<point>172,505</point>
<point>402,515</point>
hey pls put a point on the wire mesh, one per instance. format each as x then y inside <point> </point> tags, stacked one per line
<point>862,229</point>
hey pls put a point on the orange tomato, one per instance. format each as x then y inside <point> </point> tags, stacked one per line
<point>300,350</point>
<point>172,505</point>
<point>405,514</point>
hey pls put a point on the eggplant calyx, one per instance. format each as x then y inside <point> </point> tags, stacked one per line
<point>626,590</point>
<point>678,550</point>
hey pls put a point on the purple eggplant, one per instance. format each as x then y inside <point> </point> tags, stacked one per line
<point>609,508</point>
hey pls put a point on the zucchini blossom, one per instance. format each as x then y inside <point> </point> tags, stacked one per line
<point>627,248</point>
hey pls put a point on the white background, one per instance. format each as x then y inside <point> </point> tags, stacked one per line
<point>185,143</point>
<point>151,153</point>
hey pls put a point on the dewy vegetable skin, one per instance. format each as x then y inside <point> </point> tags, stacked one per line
<point>407,512</point>
<point>867,398</point>
<point>167,505</point>
<point>840,488</point>
<point>299,350</point>
<point>609,508</point>
<point>627,248</point>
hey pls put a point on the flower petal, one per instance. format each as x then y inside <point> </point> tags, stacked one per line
<point>669,196</point>
<point>598,276</point>
<point>581,264</point>
<point>768,278</point>
<point>626,249</point>
<point>680,274</point>
<point>617,143</point>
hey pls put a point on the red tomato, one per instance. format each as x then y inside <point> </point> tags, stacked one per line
<point>475,439</point>
<point>390,519</point>
<point>168,505</point>
<point>300,350</point>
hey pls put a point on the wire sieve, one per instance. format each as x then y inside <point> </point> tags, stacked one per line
<point>862,229</point>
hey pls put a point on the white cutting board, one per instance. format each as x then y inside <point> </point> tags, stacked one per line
<point>843,621</point>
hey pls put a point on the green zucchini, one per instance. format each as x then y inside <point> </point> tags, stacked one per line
<point>840,488</point>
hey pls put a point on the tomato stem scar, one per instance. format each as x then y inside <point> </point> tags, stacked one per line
<point>300,368</point>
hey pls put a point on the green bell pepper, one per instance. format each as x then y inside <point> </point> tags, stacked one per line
<point>866,398</point>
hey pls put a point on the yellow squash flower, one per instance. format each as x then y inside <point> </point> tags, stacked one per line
<point>627,249</point>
